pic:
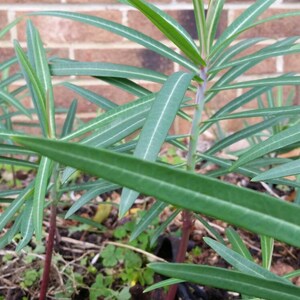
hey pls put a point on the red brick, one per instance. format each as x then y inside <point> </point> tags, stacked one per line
<point>60,30</point>
<point>292,63</point>
<point>30,1</point>
<point>3,23</point>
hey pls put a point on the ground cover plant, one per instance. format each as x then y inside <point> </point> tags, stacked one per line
<point>105,147</point>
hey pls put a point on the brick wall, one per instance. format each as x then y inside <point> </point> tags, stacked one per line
<point>77,41</point>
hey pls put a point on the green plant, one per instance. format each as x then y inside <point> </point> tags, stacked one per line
<point>153,114</point>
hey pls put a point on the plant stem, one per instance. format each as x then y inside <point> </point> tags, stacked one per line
<point>49,250</point>
<point>51,235</point>
<point>187,216</point>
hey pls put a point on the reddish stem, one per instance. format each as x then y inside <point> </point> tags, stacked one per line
<point>187,225</point>
<point>49,251</point>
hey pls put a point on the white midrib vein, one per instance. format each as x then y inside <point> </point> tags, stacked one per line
<point>37,195</point>
<point>161,117</point>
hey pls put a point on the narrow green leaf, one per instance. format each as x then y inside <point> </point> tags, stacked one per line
<point>27,228</point>
<point>8,27</point>
<point>127,85</point>
<point>69,121</point>
<point>105,69</point>
<point>102,102</point>
<point>264,112</point>
<point>288,169</point>
<point>208,196</point>
<point>14,229</point>
<point>243,21</point>
<point>233,51</point>
<point>247,171</point>
<point>277,81</point>
<point>199,12</point>
<point>267,245</point>
<point>154,211</point>
<point>159,231</point>
<point>157,125</point>
<point>89,195</point>
<point>126,32</point>
<point>116,131</point>
<point>277,141</point>
<point>292,274</point>
<point>290,49</point>
<point>40,190</point>
<point>43,74</point>
<point>7,97</point>
<point>7,215</point>
<point>33,82</point>
<point>162,284</point>
<point>89,222</point>
<point>242,134</point>
<point>11,79</point>
<point>214,12</point>
<point>210,229</point>
<point>237,243</point>
<point>116,115</point>
<point>170,28</point>
<point>18,162</point>
<point>8,63</point>
<point>242,264</point>
<point>229,280</point>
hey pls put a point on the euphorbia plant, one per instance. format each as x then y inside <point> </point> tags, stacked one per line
<point>153,114</point>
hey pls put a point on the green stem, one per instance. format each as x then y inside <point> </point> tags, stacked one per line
<point>187,216</point>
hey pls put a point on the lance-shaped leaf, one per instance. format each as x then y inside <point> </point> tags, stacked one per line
<point>277,81</point>
<point>35,87</point>
<point>247,171</point>
<point>148,218</point>
<point>127,85</point>
<point>199,12</point>
<point>237,243</point>
<point>242,134</point>
<point>214,12</point>
<point>105,69</point>
<point>40,190</point>
<point>102,187</point>
<point>277,141</point>
<point>157,125</point>
<point>264,112</point>
<point>290,49</point>
<point>126,32</point>
<point>43,74</point>
<point>116,115</point>
<point>288,169</point>
<point>267,246</point>
<point>242,22</point>
<point>170,28</point>
<point>8,214</point>
<point>232,52</point>
<point>69,121</point>
<point>229,280</point>
<point>8,98</point>
<point>242,264</point>
<point>8,27</point>
<point>100,101</point>
<point>251,210</point>
<point>27,228</point>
